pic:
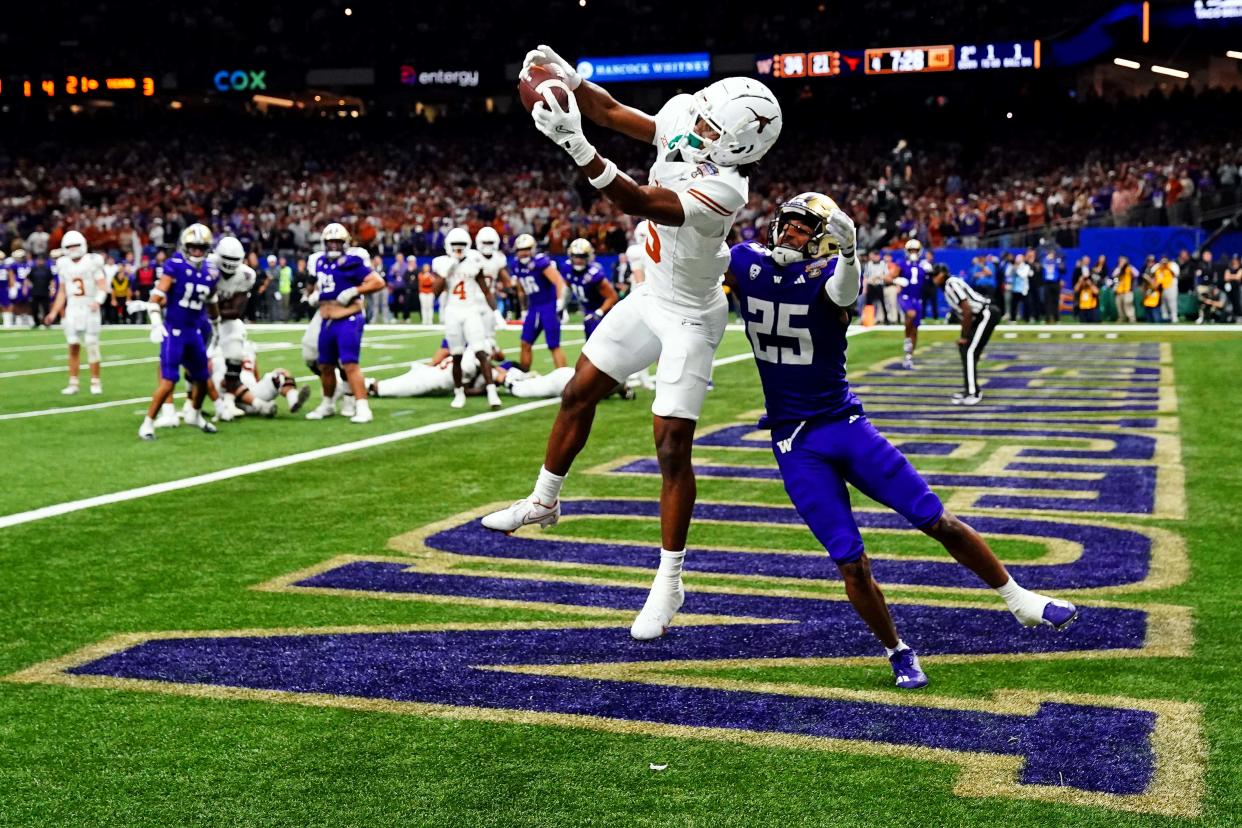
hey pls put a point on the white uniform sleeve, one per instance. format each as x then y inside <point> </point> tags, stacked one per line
<point>846,283</point>
<point>710,205</point>
<point>442,266</point>
<point>247,278</point>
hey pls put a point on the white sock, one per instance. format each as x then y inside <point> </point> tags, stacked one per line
<point>168,410</point>
<point>1012,593</point>
<point>292,396</point>
<point>491,386</point>
<point>548,487</point>
<point>147,422</point>
<point>908,346</point>
<point>901,645</point>
<point>670,564</point>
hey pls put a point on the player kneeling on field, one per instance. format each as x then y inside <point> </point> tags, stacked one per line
<point>820,434</point>
<point>257,394</point>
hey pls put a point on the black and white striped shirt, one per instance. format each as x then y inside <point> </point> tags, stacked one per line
<point>956,289</point>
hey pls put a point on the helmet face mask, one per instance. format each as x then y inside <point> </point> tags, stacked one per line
<point>229,255</point>
<point>195,243</point>
<point>335,239</point>
<point>487,241</point>
<point>738,121</point>
<point>457,242</point>
<point>800,229</point>
<point>580,254</point>
<point>73,244</point>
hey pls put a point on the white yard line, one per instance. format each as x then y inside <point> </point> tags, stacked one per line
<point>71,506</point>
<point>262,347</point>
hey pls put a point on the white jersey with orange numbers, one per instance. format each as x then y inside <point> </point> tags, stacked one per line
<point>684,264</point>
<point>81,280</point>
<point>460,282</point>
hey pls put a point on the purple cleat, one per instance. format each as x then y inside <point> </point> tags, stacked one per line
<point>1060,614</point>
<point>906,670</point>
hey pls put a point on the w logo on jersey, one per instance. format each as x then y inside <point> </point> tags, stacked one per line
<point>785,445</point>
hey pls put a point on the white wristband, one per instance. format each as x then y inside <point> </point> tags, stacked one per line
<point>579,149</point>
<point>605,178</point>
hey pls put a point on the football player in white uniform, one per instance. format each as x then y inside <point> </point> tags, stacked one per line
<point>257,394</point>
<point>698,183</point>
<point>236,280</point>
<point>83,290</point>
<point>460,279</point>
<point>423,379</point>
<point>495,268</point>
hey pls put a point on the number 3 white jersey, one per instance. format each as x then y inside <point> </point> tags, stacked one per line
<point>81,280</point>
<point>684,264</point>
<point>490,267</point>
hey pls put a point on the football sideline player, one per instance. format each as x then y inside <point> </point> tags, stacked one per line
<point>677,316</point>
<point>794,299</point>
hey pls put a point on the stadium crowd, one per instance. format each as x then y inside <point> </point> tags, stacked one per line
<point>399,192</point>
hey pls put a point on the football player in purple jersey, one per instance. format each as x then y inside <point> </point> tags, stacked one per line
<point>795,298</point>
<point>914,272</point>
<point>185,296</point>
<point>537,277</point>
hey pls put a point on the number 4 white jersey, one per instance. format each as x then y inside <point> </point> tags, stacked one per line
<point>461,281</point>
<point>242,280</point>
<point>684,264</point>
<point>81,279</point>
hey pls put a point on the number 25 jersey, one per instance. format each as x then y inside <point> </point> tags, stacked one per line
<point>797,335</point>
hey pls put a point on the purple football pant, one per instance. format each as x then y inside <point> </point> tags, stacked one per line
<point>542,318</point>
<point>818,457</point>
<point>340,340</point>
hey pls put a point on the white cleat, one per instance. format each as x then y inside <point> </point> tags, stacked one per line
<point>363,415</point>
<point>147,432</point>
<point>493,399</point>
<point>349,405</point>
<point>459,399</point>
<point>525,512</point>
<point>197,419</point>
<point>167,420</point>
<point>227,410</point>
<point>70,389</point>
<point>662,604</point>
<point>96,387</point>
<point>322,411</point>
<point>303,394</point>
<point>1039,609</point>
<point>967,399</point>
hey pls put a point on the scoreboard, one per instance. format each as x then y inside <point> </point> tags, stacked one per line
<point>901,60</point>
<point>78,86</point>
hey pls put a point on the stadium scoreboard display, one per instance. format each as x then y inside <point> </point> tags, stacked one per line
<point>83,85</point>
<point>901,60</point>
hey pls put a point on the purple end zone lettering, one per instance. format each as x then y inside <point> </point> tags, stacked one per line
<point>1087,747</point>
<point>1110,557</point>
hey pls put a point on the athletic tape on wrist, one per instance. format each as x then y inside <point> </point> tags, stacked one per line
<point>605,178</point>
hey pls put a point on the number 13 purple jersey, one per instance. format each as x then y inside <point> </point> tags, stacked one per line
<point>797,334</point>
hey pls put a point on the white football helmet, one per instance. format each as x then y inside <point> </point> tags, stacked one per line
<point>580,253</point>
<point>334,234</point>
<point>229,255</point>
<point>73,245</point>
<point>196,235</point>
<point>487,240</point>
<point>524,246</point>
<point>745,116</point>
<point>457,242</point>
<point>914,248</point>
<point>19,255</point>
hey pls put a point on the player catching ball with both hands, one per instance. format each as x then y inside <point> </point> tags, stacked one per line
<point>697,184</point>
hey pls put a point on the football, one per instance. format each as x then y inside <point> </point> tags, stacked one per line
<point>530,81</point>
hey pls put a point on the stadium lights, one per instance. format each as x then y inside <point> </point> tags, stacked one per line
<point>1129,64</point>
<point>284,103</point>
<point>348,11</point>
<point>1235,55</point>
<point>1173,73</point>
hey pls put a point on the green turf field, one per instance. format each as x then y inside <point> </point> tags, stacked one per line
<point>331,642</point>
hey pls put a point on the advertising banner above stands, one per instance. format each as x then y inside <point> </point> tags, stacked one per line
<point>646,67</point>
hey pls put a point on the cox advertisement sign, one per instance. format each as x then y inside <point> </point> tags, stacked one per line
<point>240,80</point>
<point>646,67</point>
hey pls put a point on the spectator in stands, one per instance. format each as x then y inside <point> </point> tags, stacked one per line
<point>1122,281</point>
<point>1087,297</point>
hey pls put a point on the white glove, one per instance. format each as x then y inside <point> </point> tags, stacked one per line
<point>841,228</point>
<point>901,281</point>
<point>501,322</point>
<point>546,56</point>
<point>564,317</point>
<point>157,333</point>
<point>347,296</point>
<point>13,292</point>
<point>134,306</point>
<point>563,127</point>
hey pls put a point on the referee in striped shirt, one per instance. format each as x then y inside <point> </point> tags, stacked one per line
<point>979,319</point>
